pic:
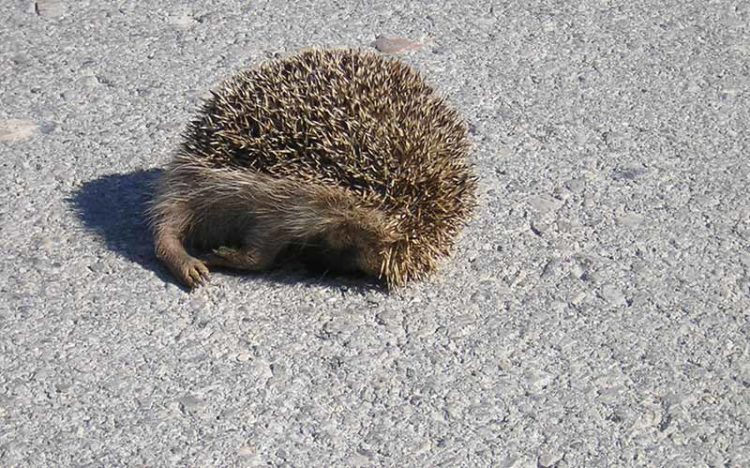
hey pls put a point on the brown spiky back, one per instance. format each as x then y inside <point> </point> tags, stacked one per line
<point>354,120</point>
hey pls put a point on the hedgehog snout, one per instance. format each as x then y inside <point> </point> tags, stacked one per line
<point>362,246</point>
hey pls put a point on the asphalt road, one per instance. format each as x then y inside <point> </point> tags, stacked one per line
<point>595,314</point>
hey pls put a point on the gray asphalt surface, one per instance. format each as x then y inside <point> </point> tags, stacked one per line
<point>596,312</point>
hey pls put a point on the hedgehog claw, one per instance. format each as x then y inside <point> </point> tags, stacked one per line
<point>195,273</point>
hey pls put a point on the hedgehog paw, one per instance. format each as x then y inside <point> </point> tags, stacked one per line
<point>193,272</point>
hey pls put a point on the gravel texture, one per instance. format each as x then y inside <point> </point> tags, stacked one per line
<point>596,312</point>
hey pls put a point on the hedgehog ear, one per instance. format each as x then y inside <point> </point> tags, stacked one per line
<point>377,225</point>
<point>388,234</point>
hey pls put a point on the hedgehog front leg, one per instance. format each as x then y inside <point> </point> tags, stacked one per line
<point>250,259</point>
<point>257,254</point>
<point>239,259</point>
<point>169,249</point>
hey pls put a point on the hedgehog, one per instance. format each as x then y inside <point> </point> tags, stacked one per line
<point>346,154</point>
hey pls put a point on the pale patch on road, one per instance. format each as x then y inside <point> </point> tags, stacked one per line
<point>15,130</point>
<point>395,45</point>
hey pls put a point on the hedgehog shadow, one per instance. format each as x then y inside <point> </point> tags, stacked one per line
<point>113,207</point>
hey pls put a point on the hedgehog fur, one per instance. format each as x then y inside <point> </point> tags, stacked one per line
<point>343,151</point>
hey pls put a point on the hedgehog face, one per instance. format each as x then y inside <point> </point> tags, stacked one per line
<point>357,247</point>
<point>369,259</point>
<point>325,259</point>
